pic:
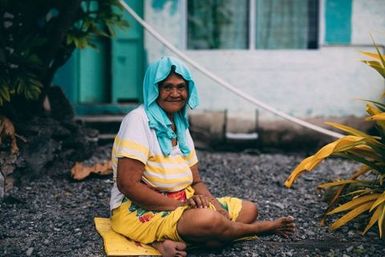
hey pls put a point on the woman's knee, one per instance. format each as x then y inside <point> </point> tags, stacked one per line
<point>249,212</point>
<point>200,222</point>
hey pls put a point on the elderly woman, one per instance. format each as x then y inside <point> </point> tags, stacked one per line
<point>158,196</point>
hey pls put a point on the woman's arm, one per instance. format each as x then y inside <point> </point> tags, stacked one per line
<point>129,175</point>
<point>201,189</point>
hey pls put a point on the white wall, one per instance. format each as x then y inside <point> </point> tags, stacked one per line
<point>305,83</point>
<point>368,17</point>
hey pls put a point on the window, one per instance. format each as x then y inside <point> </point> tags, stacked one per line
<point>217,24</point>
<point>252,24</point>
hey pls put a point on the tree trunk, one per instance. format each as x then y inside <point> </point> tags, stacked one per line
<point>67,17</point>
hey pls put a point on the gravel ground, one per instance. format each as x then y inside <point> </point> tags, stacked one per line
<point>53,215</point>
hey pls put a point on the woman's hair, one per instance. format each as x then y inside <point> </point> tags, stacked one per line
<point>172,71</point>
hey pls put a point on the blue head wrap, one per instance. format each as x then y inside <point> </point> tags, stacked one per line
<point>158,120</point>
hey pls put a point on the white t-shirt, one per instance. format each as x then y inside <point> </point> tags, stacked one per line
<point>137,141</point>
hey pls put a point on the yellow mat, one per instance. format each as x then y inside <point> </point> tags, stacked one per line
<point>118,245</point>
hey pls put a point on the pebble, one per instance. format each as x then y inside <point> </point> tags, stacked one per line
<point>351,233</point>
<point>29,251</point>
<point>310,233</point>
<point>279,205</point>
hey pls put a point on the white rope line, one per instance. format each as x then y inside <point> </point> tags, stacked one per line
<point>221,81</point>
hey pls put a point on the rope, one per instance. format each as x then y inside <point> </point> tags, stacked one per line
<point>223,83</point>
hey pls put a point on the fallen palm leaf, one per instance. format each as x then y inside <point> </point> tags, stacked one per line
<point>80,171</point>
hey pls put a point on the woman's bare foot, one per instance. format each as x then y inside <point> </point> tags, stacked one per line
<point>283,226</point>
<point>169,248</point>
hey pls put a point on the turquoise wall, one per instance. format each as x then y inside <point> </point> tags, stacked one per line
<point>338,21</point>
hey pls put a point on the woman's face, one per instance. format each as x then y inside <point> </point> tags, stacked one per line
<point>173,93</point>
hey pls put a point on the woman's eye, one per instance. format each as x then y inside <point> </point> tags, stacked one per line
<point>181,87</point>
<point>167,87</point>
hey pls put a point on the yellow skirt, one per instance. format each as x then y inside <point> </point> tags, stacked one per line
<point>146,226</point>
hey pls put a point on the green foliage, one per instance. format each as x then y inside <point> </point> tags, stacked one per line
<point>364,192</point>
<point>38,37</point>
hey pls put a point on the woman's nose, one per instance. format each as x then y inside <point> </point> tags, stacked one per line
<point>174,91</point>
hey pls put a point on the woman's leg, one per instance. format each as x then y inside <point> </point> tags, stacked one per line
<point>202,225</point>
<point>248,213</point>
<point>211,228</point>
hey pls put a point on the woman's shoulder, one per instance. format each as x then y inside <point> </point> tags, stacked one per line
<point>136,115</point>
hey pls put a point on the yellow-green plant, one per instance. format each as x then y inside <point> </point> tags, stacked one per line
<point>364,191</point>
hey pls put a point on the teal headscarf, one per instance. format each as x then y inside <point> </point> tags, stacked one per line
<point>158,120</point>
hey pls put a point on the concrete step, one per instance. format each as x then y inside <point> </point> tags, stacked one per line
<point>107,125</point>
<point>104,124</point>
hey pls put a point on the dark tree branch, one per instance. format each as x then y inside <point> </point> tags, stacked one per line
<point>67,16</point>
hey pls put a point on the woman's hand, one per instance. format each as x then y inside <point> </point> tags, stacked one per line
<point>203,194</point>
<point>202,201</point>
<point>198,201</point>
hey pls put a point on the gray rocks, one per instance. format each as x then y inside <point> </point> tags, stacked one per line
<point>53,215</point>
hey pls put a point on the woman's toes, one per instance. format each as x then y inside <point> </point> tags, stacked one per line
<point>180,246</point>
<point>288,220</point>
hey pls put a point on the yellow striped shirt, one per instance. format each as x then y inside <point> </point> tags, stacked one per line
<point>137,141</point>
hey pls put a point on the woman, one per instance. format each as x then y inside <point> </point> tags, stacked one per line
<point>158,196</point>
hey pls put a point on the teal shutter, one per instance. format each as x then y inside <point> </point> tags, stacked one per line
<point>127,56</point>
<point>338,21</point>
<point>93,78</point>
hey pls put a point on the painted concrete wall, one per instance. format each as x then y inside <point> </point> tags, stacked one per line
<point>325,82</point>
<point>368,17</point>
